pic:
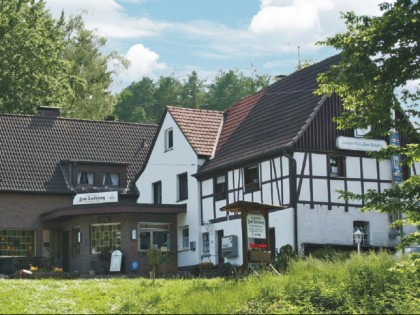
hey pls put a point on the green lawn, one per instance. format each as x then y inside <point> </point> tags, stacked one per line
<point>361,284</point>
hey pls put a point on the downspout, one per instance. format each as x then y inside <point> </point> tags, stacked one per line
<point>293,195</point>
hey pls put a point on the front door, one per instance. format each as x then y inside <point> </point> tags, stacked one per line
<point>220,259</point>
<point>56,248</point>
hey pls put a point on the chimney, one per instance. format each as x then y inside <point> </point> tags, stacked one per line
<point>50,112</point>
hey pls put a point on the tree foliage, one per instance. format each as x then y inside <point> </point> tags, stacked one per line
<point>145,100</point>
<point>89,76</point>
<point>32,70</point>
<point>380,59</point>
<point>49,62</point>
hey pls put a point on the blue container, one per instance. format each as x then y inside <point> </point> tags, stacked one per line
<point>134,265</point>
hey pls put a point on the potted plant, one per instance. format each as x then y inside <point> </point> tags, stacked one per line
<point>258,253</point>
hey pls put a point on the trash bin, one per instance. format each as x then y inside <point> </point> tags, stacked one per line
<point>134,265</point>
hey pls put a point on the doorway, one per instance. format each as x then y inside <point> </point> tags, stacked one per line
<point>219,235</point>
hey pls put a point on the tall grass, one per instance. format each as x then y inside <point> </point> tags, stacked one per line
<point>360,284</point>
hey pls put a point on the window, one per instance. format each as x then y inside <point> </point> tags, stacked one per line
<point>105,237</point>
<point>17,243</point>
<point>337,166</point>
<point>363,226</point>
<point>85,178</point>
<point>76,240</point>
<point>252,178</point>
<point>185,237</point>
<point>169,139</point>
<point>220,187</point>
<point>206,243</point>
<point>157,193</point>
<point>182,187</point>
<point>110,179</point>
<point>153,235</point>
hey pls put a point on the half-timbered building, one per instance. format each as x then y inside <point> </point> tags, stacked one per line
<point>279,151</point>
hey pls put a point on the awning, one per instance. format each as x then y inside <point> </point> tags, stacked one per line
<point>73,211</point>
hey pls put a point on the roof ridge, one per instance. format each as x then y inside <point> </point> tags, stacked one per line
<point>194,109</point>
<point>76,119</point>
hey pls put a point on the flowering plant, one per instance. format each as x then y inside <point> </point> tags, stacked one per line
<point>260,247</point>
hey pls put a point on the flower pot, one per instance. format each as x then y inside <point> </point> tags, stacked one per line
<point>259,256</point>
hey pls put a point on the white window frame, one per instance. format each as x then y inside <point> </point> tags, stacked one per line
<point>169,139</point>
<point>185,239</point>
<point>206,242</point>
<point>114,177</point>
<point>363,226</point>
<point>152,227</point>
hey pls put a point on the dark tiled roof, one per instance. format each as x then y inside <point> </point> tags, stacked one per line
<point>268,120</point>
<point>32,148</point>
<point>200,127</point>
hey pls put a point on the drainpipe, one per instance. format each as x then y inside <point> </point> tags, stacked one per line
<point>293,195</point>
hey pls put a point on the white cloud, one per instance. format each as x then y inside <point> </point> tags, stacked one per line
<point>108,18</point>
<point>143,62</point>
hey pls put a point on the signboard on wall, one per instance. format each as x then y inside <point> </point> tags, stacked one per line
<point>256,226</point>
<point>359,144</point>
<point>93,198</point>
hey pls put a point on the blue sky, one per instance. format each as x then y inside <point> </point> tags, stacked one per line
<point>175,37</point>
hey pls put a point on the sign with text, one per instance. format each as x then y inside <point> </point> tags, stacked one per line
<point>359,144</point>
<point>92,198</point>
<point>256,226</point>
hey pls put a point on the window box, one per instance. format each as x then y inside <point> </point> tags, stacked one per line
<point>167,268</point>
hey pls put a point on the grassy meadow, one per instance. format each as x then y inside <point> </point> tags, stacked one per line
<point>373,283</point>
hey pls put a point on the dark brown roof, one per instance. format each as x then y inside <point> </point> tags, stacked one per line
<point>269,120</point>
<point>32,149</point>
<point>200,127</point>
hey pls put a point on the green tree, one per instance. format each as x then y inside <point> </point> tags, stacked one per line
<point>380,57</point>
<point>134,100</point>
<point>168,91</point>
<point>32,70</point>
<point>89,73</point>
<point>229,87</point>
<point>193,94</point>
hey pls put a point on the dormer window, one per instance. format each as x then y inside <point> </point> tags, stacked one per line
<point>85,178</point>
<point>169,139</point>
<point>111,179</point>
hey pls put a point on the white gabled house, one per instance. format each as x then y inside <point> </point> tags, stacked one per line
<point>185,140</point>
<point>278,151</point>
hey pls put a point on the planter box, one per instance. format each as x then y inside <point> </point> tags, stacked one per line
<point>167,268</point>
<point>259,256</point>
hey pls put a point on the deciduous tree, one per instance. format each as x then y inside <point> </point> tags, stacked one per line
<point>380,59</point>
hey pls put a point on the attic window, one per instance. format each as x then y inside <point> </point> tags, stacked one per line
<point>84,178</point>
<point>169,139</point>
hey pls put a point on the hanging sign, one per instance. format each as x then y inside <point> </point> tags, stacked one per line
<point>92,198</point>
<point>359,144</point>
<point>256,226</point>
<point>394,139</point>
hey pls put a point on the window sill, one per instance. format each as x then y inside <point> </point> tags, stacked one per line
<point>168,149</point>
<point>251,189</point>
